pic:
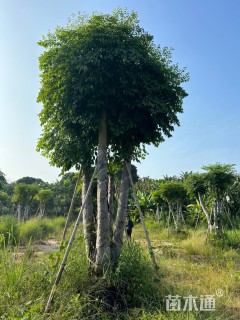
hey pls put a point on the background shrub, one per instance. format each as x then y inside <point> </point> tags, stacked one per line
<point>9,230</point>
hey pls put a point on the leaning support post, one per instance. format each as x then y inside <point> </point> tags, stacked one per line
<point>69,246</point>
<point>154,263</point>
<point>71,206</point>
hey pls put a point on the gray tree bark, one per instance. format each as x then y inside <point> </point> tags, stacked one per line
<point>117,240</point>
<point>207,213</point>
<point>19,209</point>
<point>42,209</point>
<point>217,214</point>
<point>111,188</point>
<point>170,205</point>
<point>102,244</point>
<point>89,230</point>
<point>26,212</point>
<point>159,213</point>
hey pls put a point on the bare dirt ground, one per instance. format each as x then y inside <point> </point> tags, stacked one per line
<point>51,245</point>
<point>37,249</point>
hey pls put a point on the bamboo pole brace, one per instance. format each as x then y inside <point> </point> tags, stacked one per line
<point>69,246</point>
<point>71,206</point>
<point>154,263</point>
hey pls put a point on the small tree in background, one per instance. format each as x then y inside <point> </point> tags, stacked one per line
<point>159,202</point>
<point>213,185</point>
<point>43,196</point>
<point>174,193</point>
<point>219,178</point>
<point>23,197</point>
<point>196,184</point>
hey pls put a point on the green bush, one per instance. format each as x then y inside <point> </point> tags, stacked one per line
<point>9,230</point>
<point>47,227</point>
<point>228,239</point>
<point>30,231</point>
<point>58,223</point>
<point>40,229</point>
<point>82,296</point>
<point>135,277</point>
<point>132,285</point>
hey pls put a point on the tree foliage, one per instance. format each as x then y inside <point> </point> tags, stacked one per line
<point>172,191</point>
<point>219,177</point>
<point>105,63</point>
<point>2,180</point>
<point>196,183</point>
<point>24,193</point>
<point>30,180</point>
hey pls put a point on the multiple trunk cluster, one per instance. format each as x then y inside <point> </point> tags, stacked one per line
<point>177,214</point>
<point>214,216</point>
<point>103,241</point>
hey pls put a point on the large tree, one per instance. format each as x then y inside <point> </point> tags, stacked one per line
<point>106,87</point>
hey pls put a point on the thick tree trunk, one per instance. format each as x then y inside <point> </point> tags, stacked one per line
<point>111,187</point>
<point>217,214</point>
<point>158,213</point>
<point>41,210</point>
<point>19,213</point>
<point>215,220</point>
<point>117,240</point>
<point>102,244</point>
<point>183,220</point>
<point>178,215</point>
<point>220,216</point>
<point>88,218</point>
<point>173,215</point>
<point>206,212</point>
<point>26,212</point>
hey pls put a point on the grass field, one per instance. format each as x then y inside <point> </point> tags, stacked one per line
<point>190,271</point>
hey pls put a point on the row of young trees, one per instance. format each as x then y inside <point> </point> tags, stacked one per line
<point>107,90</point>
<point>212,196</point>
<point>29,197</point>
<point>187,199</point>
<point>32,197</point>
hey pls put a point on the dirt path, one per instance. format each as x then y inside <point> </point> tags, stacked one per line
<point>39,248</point>
<point>50,245</point>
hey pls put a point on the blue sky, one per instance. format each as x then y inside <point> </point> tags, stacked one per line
<point>205,38</point>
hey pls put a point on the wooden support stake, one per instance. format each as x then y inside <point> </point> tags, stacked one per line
<point>71,206</point>
<point>69,246</point>
<point>150,249</point>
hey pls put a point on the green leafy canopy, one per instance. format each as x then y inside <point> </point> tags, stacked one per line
<point>105,62</point>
